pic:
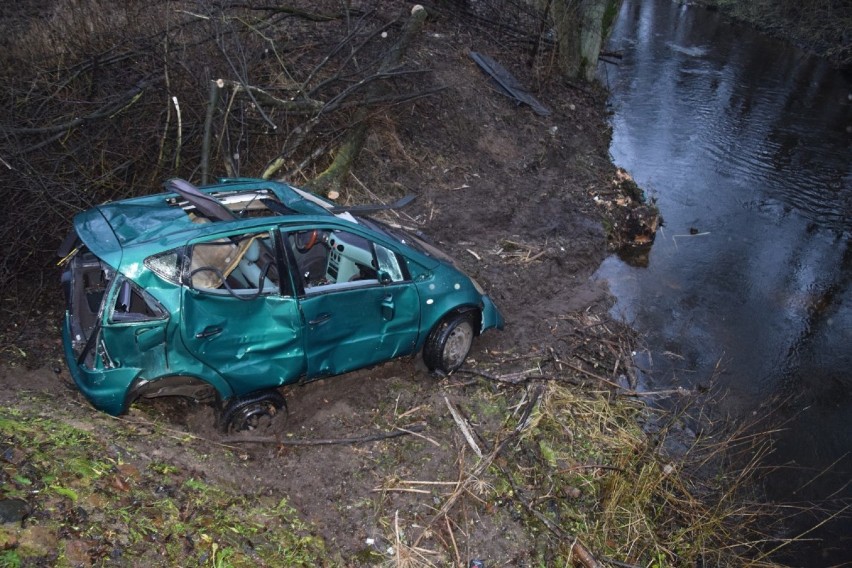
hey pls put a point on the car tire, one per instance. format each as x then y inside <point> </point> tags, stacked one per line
<point>249,412</point>
<point>449,342</point>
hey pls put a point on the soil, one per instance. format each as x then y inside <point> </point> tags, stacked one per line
<point>511,195</point>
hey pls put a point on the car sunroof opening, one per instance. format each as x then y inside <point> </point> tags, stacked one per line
<point>243,204</point>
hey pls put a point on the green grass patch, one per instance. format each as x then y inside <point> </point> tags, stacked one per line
<point>88,505</point>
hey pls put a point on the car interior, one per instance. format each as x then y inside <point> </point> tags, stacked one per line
<point>333,258</point>
<point>237,265</point>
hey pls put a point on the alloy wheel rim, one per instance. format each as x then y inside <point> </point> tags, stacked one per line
<point>458,345</point>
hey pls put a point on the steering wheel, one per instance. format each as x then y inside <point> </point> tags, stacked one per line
<point>305,240</point>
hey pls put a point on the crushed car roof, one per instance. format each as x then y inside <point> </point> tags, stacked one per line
<point>167,217</point>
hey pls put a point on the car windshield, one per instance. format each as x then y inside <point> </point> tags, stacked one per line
<point>408,238</point>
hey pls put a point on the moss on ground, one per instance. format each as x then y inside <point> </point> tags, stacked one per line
<point>93,502</point>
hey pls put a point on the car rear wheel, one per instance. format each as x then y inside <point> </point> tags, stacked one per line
<point>449,343</point>
<point>252,411</point>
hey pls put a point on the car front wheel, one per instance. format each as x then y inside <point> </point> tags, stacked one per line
<point>449,343</point>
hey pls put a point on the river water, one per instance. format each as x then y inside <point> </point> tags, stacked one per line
<point>745,142</point>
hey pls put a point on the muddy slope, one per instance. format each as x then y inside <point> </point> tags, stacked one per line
<point>508,193</point>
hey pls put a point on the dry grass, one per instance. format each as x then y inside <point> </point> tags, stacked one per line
<point>599,476</point>
<point>583,471</point>
<point>593,472</point>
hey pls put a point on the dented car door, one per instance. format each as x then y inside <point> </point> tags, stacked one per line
<point>357,300</point>
<point>137,322</point>
<point>239,316</point>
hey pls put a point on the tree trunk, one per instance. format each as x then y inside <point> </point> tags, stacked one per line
<point>208,130</point>
<point>565,14</point>
<point>330,179</point>
<point>579,34</point>
<point>591,36</point>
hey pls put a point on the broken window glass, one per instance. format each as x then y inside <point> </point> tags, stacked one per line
<point>133,304</point>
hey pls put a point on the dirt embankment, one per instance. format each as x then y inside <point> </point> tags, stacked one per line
<point>823,28</point>
<point>519,199</point>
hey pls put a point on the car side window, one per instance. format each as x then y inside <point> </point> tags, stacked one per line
<point>243,266</point>
<point>332,259</point>
<point>389,263</point>
<point>166,265</point>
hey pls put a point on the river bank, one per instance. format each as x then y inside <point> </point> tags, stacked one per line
<point>822,28</point>
<point>744,141</point>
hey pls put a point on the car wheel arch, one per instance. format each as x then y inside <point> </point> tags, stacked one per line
<point>197,388</point>
<point>471,309</point>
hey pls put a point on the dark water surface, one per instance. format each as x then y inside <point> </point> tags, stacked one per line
<point>746,143</point>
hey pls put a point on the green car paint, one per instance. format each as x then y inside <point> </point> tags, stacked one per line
<point>165,297</point>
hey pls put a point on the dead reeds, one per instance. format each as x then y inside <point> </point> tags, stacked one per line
<point>593,475</point>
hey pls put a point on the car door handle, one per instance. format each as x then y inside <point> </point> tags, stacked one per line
<point>209,331</point>
<point>320,319</point>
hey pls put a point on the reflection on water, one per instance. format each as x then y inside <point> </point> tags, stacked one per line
<point>746,144</point>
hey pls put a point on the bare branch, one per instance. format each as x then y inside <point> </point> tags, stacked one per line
<point>351,147</point>
<point>311,16</point>
<point>106,111</point>
<point>408,430</point>
<point>464,427</point>
<point>302,106</point>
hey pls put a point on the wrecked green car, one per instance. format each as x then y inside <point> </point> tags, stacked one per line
<point>229,291</point>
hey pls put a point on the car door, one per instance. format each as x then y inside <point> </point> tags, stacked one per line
<point>137,323</point>
<point>239,315</point>
<point>359,305</point>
